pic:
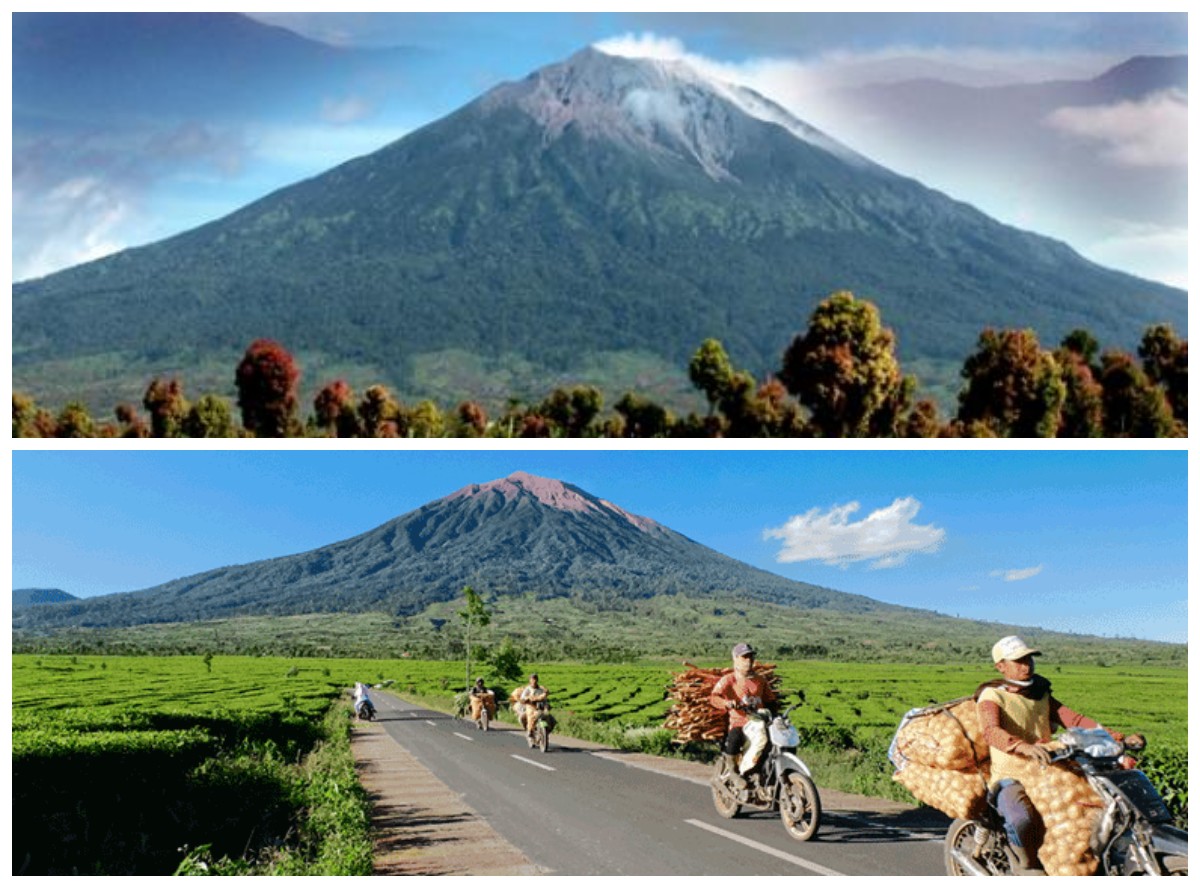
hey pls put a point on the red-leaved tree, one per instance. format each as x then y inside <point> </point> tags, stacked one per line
<point>267,379</point>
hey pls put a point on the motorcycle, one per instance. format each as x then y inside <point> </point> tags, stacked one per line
<point>543,726</point>
<point>779,781</point>
<point>365,709</point>
<point>1134,836</point>
<point>483,710</point>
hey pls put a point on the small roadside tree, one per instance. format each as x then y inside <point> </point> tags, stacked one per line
<point>474,615</point>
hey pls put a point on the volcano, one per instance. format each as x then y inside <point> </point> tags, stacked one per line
<point>516,536</point>
<point>603,213</point>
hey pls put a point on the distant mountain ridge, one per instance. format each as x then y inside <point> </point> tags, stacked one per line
<point>599,211</point>
<point>172,64</point>
<point>517,536</point>
<point>29,597</point>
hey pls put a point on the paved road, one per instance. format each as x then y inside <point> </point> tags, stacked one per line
<point>581,809</point>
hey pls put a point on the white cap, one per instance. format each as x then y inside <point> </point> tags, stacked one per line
<point>1011,647</point>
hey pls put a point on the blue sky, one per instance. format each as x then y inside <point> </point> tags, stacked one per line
<point>1084,541</point>
<point>88,182</point>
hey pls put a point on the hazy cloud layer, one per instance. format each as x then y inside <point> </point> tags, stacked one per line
<point>1128,220</point>
<point>886,537</point>
<point>1109,180</point>
<point>1150,133</point>
<point>80,197</point>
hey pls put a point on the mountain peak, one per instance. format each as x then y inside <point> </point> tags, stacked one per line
<point>552,493</point>
<point>665,106</point>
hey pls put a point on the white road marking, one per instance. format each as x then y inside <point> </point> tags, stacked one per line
<point>430,723</point>
<point>767,849</point>
<point>624,760</point>
<point>522,758</point>
<point>465,737</point>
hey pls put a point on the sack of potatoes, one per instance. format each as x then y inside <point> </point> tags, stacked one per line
<point>956,793</point>
<point>945,736</point>
<point>1069,808</point>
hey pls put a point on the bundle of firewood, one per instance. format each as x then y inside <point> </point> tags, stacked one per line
<point>692,716</point>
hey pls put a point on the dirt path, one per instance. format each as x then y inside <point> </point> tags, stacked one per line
<point>423,828</point>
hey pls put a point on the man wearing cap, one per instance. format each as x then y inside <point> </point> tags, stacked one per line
<point>529,697</point>
<point>1017,714</point>
<point>735,692</point>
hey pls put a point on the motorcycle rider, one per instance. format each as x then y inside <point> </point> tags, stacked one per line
<point>361,698</point>
<point>530,695</point>
<point>1017,715</point>
<point>740,688</point>
<point>479,698</point>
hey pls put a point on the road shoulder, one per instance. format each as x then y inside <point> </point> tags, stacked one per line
<point>422,827</point>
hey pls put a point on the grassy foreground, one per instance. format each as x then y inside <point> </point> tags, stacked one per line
<point>152,766</point>
<point>241,765</point>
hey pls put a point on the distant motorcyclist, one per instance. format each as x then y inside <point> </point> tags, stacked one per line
<point>1017,714</point>
<point>481,697</point>
<point>361,699</point>
<point>528,699</point>
<point>737,692</point>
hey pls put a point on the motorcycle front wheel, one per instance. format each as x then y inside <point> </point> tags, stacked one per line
<point>799,806</point>
<point>1174,866</point>
<point>541,738</point>
<point>724,800</point>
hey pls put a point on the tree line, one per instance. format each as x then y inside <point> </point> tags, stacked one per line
<point>840,378</point>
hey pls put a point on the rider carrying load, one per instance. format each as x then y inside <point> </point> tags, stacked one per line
<point>480,698</point>
<point>736,692</point>
<point>1017,714</point>
<point>530,695</point>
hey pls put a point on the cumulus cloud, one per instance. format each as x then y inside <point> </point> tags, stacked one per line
<point>1017,574</point>
<point>886,537</point>
<point>1149,133</point>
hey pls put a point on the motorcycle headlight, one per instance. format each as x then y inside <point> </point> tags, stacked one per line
<point>784,734</point>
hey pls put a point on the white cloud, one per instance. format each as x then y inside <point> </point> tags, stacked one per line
<point>886,537</point>
<point>1017,574</point>
<point>348,110</point>
<point>1149,133</point>
<point>1155,252</point>
<point>77,220</point>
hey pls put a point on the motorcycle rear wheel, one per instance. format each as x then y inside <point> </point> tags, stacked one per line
<point>800,806</point>
<point>961,837</point>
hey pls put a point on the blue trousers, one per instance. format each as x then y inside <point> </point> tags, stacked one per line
<point>1022,822</point>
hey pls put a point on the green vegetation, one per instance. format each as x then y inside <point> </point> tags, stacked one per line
<point>152,765</point>
<point>841,378</point>
<point>604,629</point>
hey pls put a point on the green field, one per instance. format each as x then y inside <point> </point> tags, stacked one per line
<point>119,762</point>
